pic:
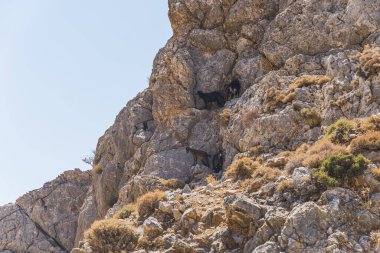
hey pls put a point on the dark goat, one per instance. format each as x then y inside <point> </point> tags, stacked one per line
<point>211,97</point>
<point>199,155</point>
<point>233,89</point>
<point>217,161</point>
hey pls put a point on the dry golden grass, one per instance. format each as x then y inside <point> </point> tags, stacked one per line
<point>312,116</point>
<point>370,141</point>
<point>266,173</point>
<point>211,180</point>
<point>112,235</point>
<point>371,123</point>
<point>173,183</point>
<point>286,184</point>
<point>256,150</point>
<point>241,169</point>
<point>320,151</point>
<point>274,98</point>
<point>148,203</point>
<point>125,212</point>
<point>309,80</point>
<point>98,169</point>
<point>369,60</point>
<point>224,117</point>
<point>376,173</point>
<point>249,116</point>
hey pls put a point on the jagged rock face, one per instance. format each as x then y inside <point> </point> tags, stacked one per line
<point>19,233</point>
<point>265,45</point>
<point>56,206</point>
<point>274,48</point>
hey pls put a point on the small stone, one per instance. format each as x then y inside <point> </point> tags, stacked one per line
<point>177,214</point>
<point>152,228</point>
<point>186,189</point>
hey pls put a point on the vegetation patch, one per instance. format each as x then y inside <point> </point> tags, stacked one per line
<point>309,80</point>
<point>97,168</point>
<point>241,169</point>
<point>225,117</point>
<point>111,235</point>
<point>249,116</point>
<point>284,185</point>
<point>368,61</point>
<point>375,172</point>
<point>173,183</point>
<point>340,131</point>
<point>266,173</point>
<point>340,170</point>
<point>371,123</point>
<point>312,116</point>
<point>370,141</point>
<point>148,203</point>
<point>125,212</point>
<point>275,98</point>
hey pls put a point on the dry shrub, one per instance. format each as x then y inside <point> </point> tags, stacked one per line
<point>371,123</point>
<point>211,179</point>
<point>370,141</point>
<point>320,151</point>
<point>375,238</point>
<point>287,184</point>
<point>97,168</point>
<point>256,150</point>
<point>296,157</point>
<point>375,172</point>
<point>369,60</point>
<point>173,183</point>
<point>274,98</point>
<point>266,173</point>
<point>224,117</point>
<point>339,132</point>
<point>125,212</point>
<point>249,116</point>
<point>309,80</point>
<point>241,169</point>
<point>111,235</point>
<point>312,116</point>
<point>148,203</point>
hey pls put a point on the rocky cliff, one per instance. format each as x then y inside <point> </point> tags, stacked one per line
<point>300,142</point>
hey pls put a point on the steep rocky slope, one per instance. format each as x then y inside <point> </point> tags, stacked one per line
<point>302,65</point>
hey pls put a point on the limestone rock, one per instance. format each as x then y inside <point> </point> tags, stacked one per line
<point>56,206</point>
<point>152,228</point>
<point>18,233</point>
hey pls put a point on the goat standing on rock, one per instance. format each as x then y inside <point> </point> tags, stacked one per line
<point>211,97</point>
<point>199,155</point>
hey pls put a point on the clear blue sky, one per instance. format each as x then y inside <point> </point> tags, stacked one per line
<point>67,67</point>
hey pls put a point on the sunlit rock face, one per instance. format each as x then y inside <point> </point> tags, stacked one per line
<point>293,59</point>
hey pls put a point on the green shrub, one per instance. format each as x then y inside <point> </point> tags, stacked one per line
<point>323,178</point>
<point>339,132</point>
<point>340,170</point>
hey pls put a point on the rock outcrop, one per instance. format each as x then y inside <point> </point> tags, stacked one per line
<point>302,66</point>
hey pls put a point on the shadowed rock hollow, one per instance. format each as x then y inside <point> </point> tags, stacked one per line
<point>302,65</point>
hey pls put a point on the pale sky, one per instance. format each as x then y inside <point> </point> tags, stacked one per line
<point>67,67</point>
